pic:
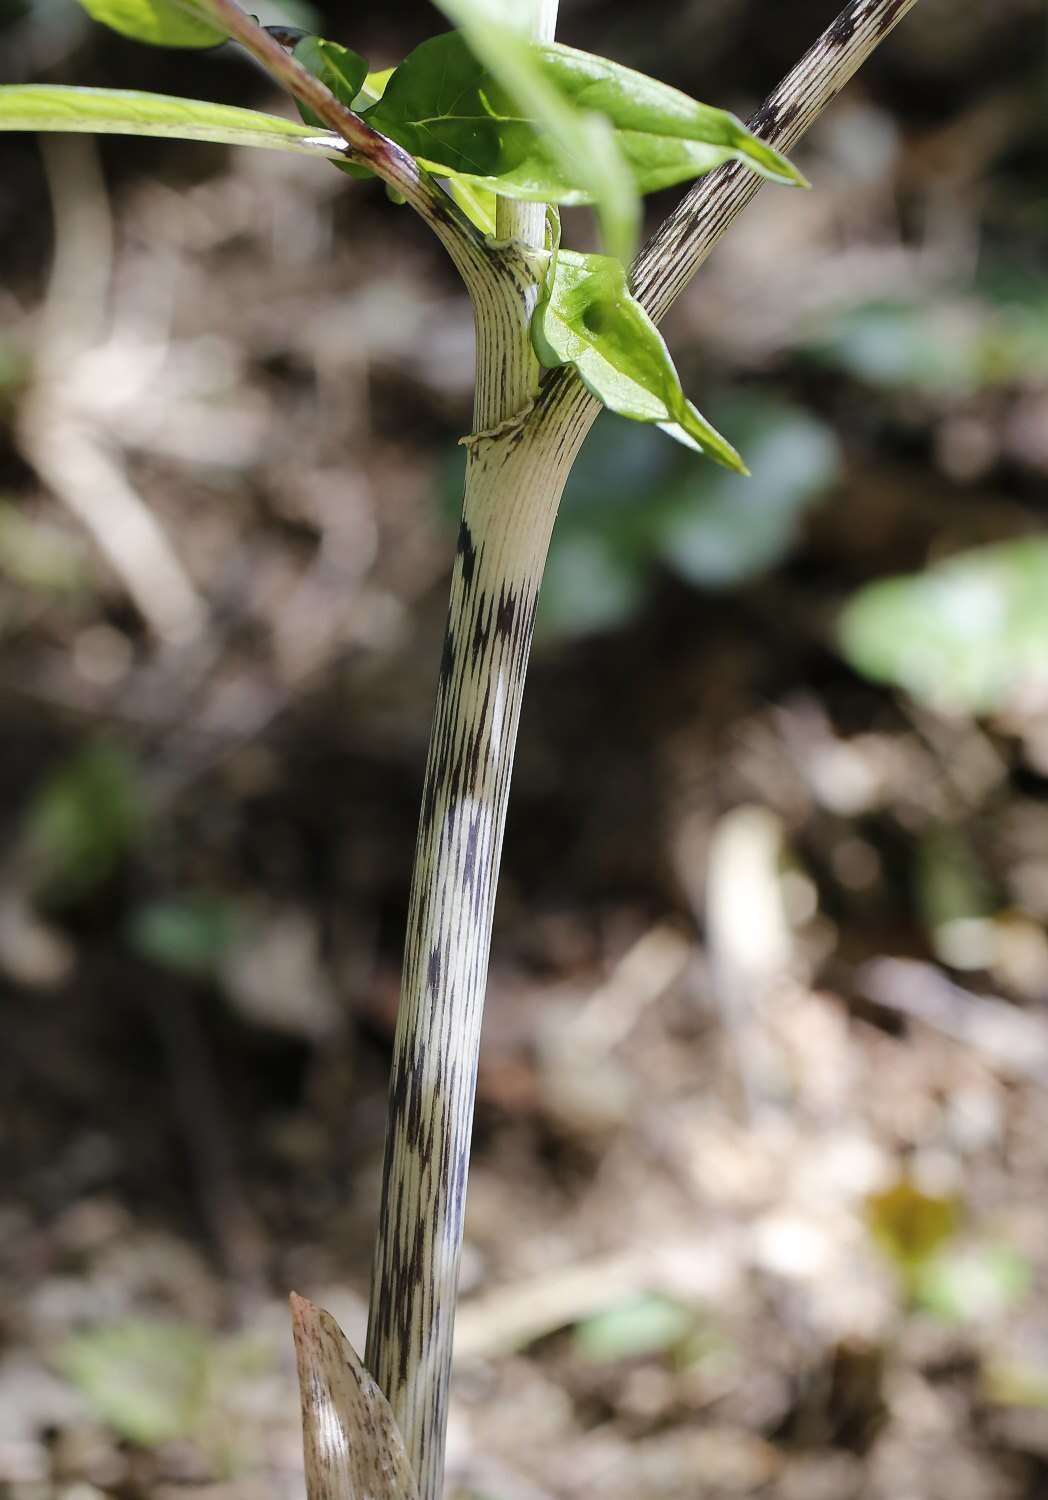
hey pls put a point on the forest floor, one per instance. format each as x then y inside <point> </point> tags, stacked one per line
<point>757,1204</point>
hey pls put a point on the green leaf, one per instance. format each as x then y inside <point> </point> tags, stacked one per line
<point>443,106</point>
<point>969,634</point>
<point>372,89</point>
<point>477,203</point>
<point>452,106</point>
<point>341,70</point>
<point>153,1380</point>
<point>590,320</point>
<point>581,144</point>
<point>665,136</point>
<point>127,112</point>
<point>164,23</point>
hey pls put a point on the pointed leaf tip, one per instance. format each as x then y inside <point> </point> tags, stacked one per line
<point>588,318</point>
<point>353,1447</point>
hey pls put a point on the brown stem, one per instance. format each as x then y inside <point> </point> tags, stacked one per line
<point>385,158</point>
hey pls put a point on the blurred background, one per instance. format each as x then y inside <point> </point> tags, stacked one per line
<point>758,1202</point>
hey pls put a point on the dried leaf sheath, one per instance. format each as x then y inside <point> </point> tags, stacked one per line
<point>353,1448</point>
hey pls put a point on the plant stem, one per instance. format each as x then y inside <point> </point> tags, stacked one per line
<point>682,242</point>
<point>513,488</point>
<point>514,482</point>
<point>527,221</point>
<point>518,463</point>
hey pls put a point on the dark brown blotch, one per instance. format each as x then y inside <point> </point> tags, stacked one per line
<point>467,552</point>
<point>447,659</point>
<point>507,613</point>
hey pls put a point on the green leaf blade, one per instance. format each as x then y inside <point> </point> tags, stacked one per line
<point>161,23</point>
<point>582,145</point>
<point>65,108</point>
<point>341,70</point>
<point>478,204</point>
<point>551,124</point>
<point>655,115</point>
<point>590,320</point>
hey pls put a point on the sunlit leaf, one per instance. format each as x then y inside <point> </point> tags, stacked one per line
<point>581,143</point>
<point>665,136</point>
<point>164,23</point>
<point>453,108</point>
<point>56,107</point>
<point>590,320</point>
<point>477,203</point>
<point>373,87</point>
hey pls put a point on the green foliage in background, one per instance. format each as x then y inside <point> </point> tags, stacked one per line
<point>942,347</point>
<point>957,1281</point>
<point>154,1381</point>
<point>968,635</point>
<point>951,883</point>
<point>634,505</point>
<point>84,819</point>
<point>40,558</point>
<point>188,935</point>
<point>640,1326</point>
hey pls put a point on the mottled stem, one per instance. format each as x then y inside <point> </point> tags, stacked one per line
<point>512,492</point>
<point>518,465</point>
